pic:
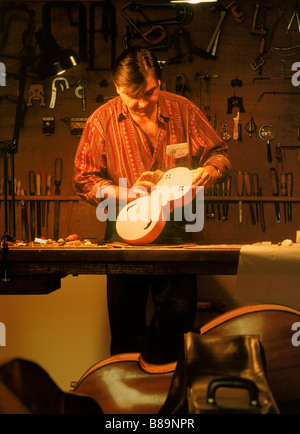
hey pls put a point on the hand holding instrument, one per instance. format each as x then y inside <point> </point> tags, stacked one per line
<point>248,189</point>
<point>289,188</point>
<point>275,190</point>
<point>268,133</point>
<point>136,227</point>
<point>240,189</point>
<point>283,191</point>
<point>32,204</point>
<point>57,182</point>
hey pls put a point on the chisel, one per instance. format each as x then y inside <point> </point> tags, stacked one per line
<point>57,182</point>
<point>24,216</point>
<point>283,191</point>
<point>262,214</point>
<point>32,204</point>
<point>289,189</point>
<point>48,193</point>
<point>248,189</point>
<point>43,193</point>
<point>38,206</point>
<point>255,188</point>
<point>275,191</point>
<point>240,189</point>
<point>228,192</point>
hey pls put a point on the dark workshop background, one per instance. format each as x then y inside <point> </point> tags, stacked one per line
<point>266,93</point>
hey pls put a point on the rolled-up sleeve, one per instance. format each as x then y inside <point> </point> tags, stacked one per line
<point>90,163</point>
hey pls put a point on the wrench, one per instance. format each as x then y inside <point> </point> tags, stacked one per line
<point>54,89</point>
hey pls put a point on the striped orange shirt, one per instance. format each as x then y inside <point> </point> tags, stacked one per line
<point>112,145</point>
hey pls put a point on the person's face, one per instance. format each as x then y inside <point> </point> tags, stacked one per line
<point>145,104</point>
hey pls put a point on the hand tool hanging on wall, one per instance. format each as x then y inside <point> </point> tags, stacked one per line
<point>275,191</point>
<point>250,126</point>
<point>32,204</point>
<point>211,49</point>
<point>199,77</point>
<point>240,189</point>
<point>6,22</point>
<point>54,89</point>
<point>261,212</point>
<point>180,56</point>
<point>276,93</point>
<point>82,24</point>
<point>255,190</point>
<point>57,182</point>
<point>259,28</point>
<point>38,206</point>
<point>80,93</point>
<point>109,27</point>
<point>294,15</point>
<point>225,134</point>
<point>48,193</point>
<point>227,193</point>
<point>184,14</point>
<point>24,218</point>
<point>43,193</point>
<point>248,188</point>
<point>289,190</point>
<point>268,133</point>
<point>155,33</point>
<point>237,128</point>
<point>283,191</point>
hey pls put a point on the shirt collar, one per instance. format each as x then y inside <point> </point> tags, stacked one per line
<point>123,112</point>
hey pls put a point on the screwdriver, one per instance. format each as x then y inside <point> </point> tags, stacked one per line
<point>275,191</point>
<point>247,184</point>
<point>240,189</point>
<point>283,191</point>
<point>289,188</point>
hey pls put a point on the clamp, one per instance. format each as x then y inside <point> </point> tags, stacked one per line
<point>54,90</point>
<point>179,55</point>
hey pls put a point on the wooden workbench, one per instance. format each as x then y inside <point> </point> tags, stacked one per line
<point>39,269</point>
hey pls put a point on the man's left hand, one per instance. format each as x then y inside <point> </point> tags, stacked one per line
<point>205,176</point>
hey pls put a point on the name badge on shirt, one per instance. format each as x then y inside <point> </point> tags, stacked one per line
<point>178,150</point>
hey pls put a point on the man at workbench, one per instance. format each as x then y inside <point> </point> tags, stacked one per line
<point>127,138</point>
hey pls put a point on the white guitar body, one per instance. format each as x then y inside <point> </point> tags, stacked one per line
<point>142,220</point>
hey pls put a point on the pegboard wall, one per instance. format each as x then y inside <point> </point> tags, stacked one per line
<point>250,74</point>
